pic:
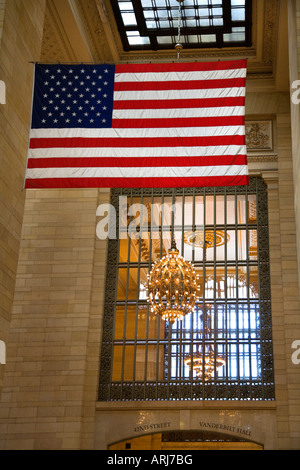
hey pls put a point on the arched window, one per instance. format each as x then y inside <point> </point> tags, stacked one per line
<point>224,233</point>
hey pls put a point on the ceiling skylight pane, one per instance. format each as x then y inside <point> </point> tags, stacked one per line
<point>129,19</point>
<point>164,40</point>
<point>134,38</point>
<point>162,14</point>
<point>238,14</point>
<point>149,14</point>
<point>238,34</point>
<point>190,22</point>
<point>193,38</point>
<point>204,12</point>
<point>162,3</point>
<point>237,2</point>
<point>218,21</point>
<point>218,11</point>
<point>204,22</point>
<point>126,6</point>
<point>208,38</point>
<point>151,24</point>
<point>190,13</point>
<point>164,24</point>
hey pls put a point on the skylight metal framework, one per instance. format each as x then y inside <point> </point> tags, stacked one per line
<point>153,24</point>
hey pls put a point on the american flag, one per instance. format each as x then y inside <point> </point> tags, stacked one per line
<point>138,125</point>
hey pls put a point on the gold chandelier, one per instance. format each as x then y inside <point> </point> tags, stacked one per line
<point>172,287</point>
<point>204,362</point>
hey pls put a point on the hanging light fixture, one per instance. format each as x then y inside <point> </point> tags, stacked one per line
<point>178,45</point>
<point>172,287</point>
<point>204,361</point>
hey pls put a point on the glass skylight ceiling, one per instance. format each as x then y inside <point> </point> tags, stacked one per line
<point>153,24</point>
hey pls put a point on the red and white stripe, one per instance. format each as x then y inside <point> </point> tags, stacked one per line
<point>173,125</point>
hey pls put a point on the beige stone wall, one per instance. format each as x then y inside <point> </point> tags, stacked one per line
<point>50,385</point>
<point>2,11</point>
<point>21,43</point>
<point>294,71</point>
<point>285,298</point>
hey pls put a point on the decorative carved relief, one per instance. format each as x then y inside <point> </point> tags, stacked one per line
<point>261,143</point>
<point>259,135</point>
<point>212,238</point>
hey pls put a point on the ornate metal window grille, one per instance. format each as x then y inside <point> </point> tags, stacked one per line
<point>142,357</point>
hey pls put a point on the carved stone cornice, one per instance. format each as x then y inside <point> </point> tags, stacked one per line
<point>262,158</point>
<point>94,31</point>
<point>270,32</point>
<point>186,56</point>
<point>55,44</point>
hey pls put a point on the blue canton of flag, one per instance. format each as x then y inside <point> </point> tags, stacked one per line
<point>70,96</point>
